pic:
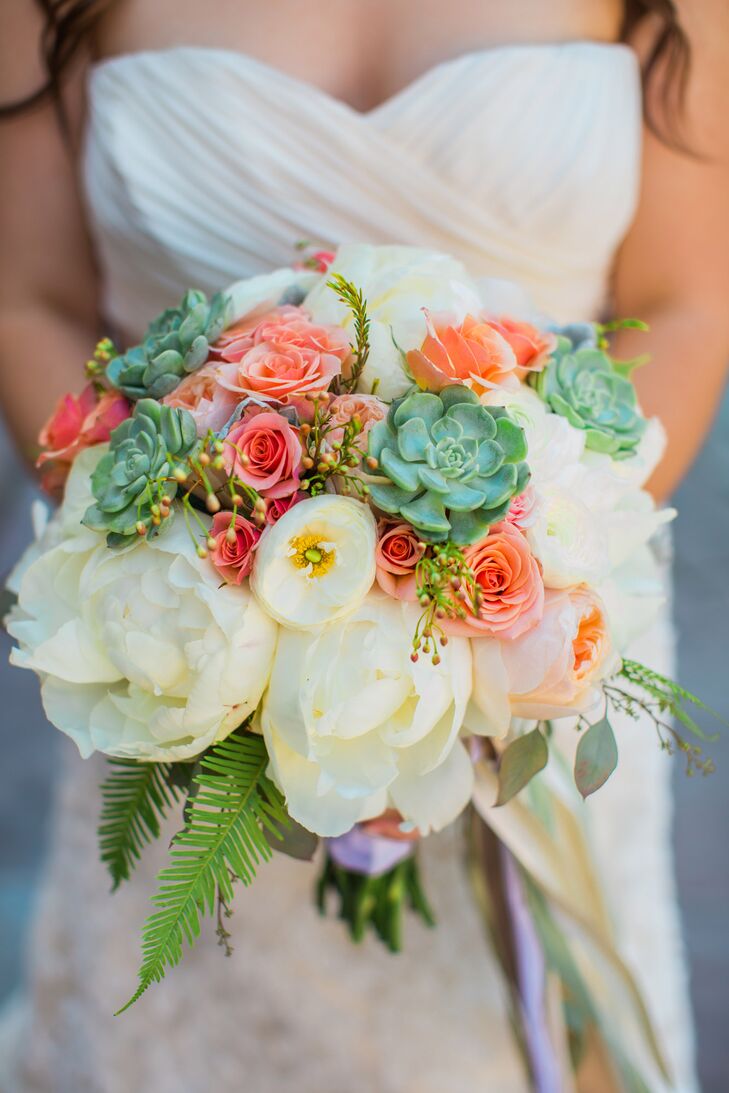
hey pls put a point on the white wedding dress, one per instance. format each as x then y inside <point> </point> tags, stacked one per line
<point>203,166</point>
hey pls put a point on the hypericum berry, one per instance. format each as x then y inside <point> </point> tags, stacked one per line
<point>372,463</point>
<point>210,543</point>
<point>414,657</point>
<point>237,500</point>
<point>141,528</point>
<point>436,658</point>
<point>230,536</point>
<point>211,503</point>
<point>202,552</point>
<point>180,475</point>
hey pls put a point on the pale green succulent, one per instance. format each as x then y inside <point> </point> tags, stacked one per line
<point>175,344</point>
<point>584,386</point>
<point>144,452</point>
<point>453,465</point>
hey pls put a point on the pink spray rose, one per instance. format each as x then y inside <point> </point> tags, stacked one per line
<point>368,408</point>
<point>277,506</point>
<point>235,541</point>
<point>524,509</point>
<point>209,403</point>
<point>284,355</point>
<point>397,554</point>
<point>78,422</point>
<point>264,451</point>
<point>511,590</point>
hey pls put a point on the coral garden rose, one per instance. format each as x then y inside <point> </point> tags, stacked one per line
<point>552,671</point>
<point>210,404</point>
<point>264,451</point>
<point>78,422</point>
<point>235,540</point>
<point>284,356</point>
<point>353,726</point>
<point>474,353</point>
<point>317,562</point>
<point>532,347</point>
<point>398,552</point>
<point>343,408</point>
<point>510,586</point>
<point>140,652</point>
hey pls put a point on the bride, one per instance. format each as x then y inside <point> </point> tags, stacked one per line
<point>179,144</point>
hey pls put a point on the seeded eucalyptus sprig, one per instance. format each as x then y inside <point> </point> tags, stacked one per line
<point>445,583</point>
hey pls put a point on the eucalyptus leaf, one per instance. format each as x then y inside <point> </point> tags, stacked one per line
<point>596,758</point>
<point>523,758</point>
<point>293,840</point>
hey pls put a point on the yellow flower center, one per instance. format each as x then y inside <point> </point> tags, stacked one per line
<point>307,551</point>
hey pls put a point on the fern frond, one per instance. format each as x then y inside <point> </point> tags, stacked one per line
<point>671,697</point>
<point>233,808</point>
<point>135,798</point>
<point>352,297</point>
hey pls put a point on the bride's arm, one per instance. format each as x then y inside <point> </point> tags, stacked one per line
<point>47,283</point>
<point>673,270</point>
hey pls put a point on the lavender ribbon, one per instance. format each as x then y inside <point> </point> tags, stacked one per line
<point>531,972</point>
<point>370,855</point>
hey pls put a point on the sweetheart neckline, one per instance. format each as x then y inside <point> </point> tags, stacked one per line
<point>300,85</point>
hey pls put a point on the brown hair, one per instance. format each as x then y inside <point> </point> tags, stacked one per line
<point>67,24</point>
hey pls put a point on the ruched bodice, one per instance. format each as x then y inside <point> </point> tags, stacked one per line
<point>204,165</point>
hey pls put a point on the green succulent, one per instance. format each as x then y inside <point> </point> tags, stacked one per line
<point>585,387</point>
<point>175,344</point>
<point>453,465</point>
<point>144,452</point>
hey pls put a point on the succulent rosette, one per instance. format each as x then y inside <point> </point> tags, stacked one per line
<point>446,464</point>
<point>174,345</point>
<point>129,479</point>
<point>584,386</point>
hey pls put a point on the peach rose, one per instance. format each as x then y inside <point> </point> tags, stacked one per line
<point>397,553</point>
<point>235,541</point>
<point>367,408</point>
<point>532,347</point>
<point>474,353</point>
<point>524,509</point>
<point>78,422</point>
<point>511,590</point>
<point>263,450</point>
<point>552,671</point>
<point>284,355</point>
<point>209,403</point>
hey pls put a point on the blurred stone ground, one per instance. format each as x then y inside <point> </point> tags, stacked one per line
<point>702,807</point>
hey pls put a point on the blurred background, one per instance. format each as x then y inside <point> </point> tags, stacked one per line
<point>27,746</point>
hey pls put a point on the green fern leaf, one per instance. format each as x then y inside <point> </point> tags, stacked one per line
<point>234,808</point>
<point>135,798</point>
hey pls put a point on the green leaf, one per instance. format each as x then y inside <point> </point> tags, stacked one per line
<point>523,758</point>
<point>626,368</point>
<point>596,757</point>
<point>234,809</point>
<point>135,798</point>
<point>293,840</point>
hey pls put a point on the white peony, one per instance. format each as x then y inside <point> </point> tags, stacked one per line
<point>140,652</point>
<point>317,562</point>
<point>352,725</point>
<point>397,283</point>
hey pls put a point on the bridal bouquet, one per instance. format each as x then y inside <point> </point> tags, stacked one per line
<point>336,547</point>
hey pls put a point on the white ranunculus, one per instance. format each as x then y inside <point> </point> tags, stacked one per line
<point>317,562</point>
<point>352,725</point>
<point>257,295</point>
<point>568,540</point>
<point>140,652</point>
<point>552,443</point>
<point>397,283</point>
